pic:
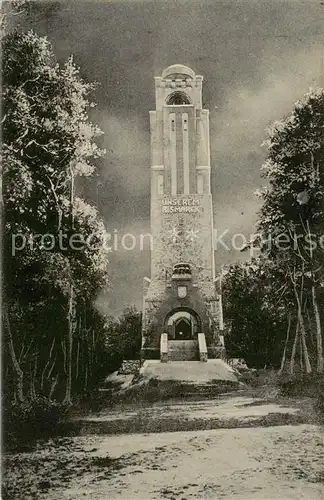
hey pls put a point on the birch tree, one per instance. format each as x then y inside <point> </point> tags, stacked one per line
<point>292,215</point>
<point>48,141</point>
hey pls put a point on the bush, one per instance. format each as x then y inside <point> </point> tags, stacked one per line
<point>259,378</point>
<point>319,406</point>
<point>25,422</point>
<point>302,385</point>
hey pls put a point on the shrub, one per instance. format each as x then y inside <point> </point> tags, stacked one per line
<point>24,423</point>
<point>302,385</point>
<point>319,406</point>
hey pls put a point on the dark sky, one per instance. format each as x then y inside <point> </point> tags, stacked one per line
<point>257,58</point>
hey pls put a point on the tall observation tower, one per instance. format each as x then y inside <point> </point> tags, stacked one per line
<point>182,317</point>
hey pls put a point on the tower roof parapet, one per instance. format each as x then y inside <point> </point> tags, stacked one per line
<point>178,85</point>
<point>178,71</point>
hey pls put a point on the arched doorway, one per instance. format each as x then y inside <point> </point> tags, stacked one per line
<point>183,329</point>
<point>182,324</point>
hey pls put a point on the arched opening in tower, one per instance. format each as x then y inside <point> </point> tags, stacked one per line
<point>177,99</point>
<point>182,324</point>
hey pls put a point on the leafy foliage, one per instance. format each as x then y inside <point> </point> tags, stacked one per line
<point>55,337</point>
<point>123,340</point>
<point>291,240</point>
<point>255,322</point>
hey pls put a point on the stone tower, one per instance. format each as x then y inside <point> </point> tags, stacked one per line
<point>182,303</point>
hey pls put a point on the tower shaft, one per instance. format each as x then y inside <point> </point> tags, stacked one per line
<point>182,258</point>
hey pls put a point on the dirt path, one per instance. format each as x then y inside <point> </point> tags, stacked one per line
<point>282,462</point>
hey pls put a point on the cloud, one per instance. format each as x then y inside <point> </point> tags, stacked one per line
<point>240,122</point>
<point>127,159</point>
<point>238,128</point>
<point>251,108</point>
<point>127,266</point>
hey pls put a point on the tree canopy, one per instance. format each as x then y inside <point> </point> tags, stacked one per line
<point>290,237</point>
<point>55,251</point>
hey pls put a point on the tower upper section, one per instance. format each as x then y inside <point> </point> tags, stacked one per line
<point>178,85</point>
<point>180,150</point>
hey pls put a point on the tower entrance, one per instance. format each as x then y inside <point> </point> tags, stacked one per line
<point>182,324</point>
<point>183,329</point>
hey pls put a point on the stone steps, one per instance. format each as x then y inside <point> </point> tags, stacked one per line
<point>183,350</point>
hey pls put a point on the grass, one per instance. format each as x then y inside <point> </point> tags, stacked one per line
<point>147,425</point>
<point>304,392</point>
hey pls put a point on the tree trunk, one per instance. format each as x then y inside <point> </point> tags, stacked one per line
<point>18,371</point>
<point>51,369</point>
<point>293,352</point>
<point>70,317</point>
<point>308,367</point>
<point>301,352</point>
<point>53,385</point>
<point>93,347</point>
<point>283,359</point>
<point>319,343</point>
<point>47,364</point>
<point>63,342</point>
<point>33,372</point>
<point>86,378</point>
<point>71,311</point>
<point>77,361</point>
<point>310,324</point>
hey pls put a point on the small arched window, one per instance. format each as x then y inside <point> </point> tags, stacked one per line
<point>177,99</point>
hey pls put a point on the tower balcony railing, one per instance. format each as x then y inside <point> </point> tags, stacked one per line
<point>182,271</point>
<point>184,276</point>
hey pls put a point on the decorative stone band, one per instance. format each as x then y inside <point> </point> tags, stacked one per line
<point>189,82</point>
<point>203,355</point>
<point>164,348</point>
<point>203,167</point>
<point>157,167</point>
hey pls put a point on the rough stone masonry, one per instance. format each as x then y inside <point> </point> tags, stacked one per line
<point>182,297</point>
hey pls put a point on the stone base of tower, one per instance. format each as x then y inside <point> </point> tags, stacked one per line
<point>182,380</point>
<point>182,318</point>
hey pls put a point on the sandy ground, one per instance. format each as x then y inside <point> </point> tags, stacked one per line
<point>270,463</point>
<point>279,463</point>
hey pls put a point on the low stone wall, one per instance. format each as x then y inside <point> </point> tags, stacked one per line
<point>130,367</point>
<point>164,348</point>
<point>237,363</point>
<point>203,355</point>
<point>216,352</point>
